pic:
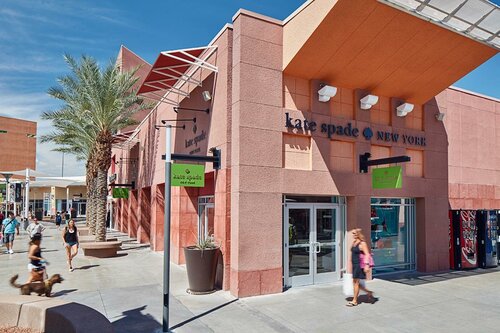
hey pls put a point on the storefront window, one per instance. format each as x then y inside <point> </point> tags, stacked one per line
<point>393,234</point>
<point>205,217</point>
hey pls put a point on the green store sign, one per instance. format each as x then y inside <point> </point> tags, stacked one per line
<point>390,177</point>
<point>188,175</point>
<point>120,193</point>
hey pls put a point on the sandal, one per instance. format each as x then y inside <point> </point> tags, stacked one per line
<point>351,304</point>
<point>371,298</point>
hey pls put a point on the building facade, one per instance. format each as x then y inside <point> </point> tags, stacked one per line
<point>20,134</point>
<point>290,185</point>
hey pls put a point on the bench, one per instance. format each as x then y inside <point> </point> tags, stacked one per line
<point>101,249</point>
<point>50,315</point>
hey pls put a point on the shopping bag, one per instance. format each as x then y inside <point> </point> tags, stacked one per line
<point>347,286</point>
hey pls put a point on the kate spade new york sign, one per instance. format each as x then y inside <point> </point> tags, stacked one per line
<point>347,130</point>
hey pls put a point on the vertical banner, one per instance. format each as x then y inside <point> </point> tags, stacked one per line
<point>390,177</point>
<point>53,201</point>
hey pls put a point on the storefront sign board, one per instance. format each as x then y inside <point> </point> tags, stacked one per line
<point>390,177</point>
<point>120,193</point>
<point>188,175</point>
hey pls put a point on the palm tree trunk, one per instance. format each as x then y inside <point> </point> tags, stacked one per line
<point>100,205</point>
<point>92,212</point>
<point>91,189</point>
<point>102,161</point>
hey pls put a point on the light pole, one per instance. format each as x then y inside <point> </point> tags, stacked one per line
<point>166,218</point>
<point>166,226</point>
<point>26,194</point>
<point>62,165</point>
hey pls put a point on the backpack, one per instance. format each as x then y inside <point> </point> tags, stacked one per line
<point>58,218</point>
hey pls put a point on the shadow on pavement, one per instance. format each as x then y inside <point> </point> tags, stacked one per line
<point>135,321</point>
<point>202,314</point>
<point>63,292</point>
<point>416,278</point>
<point>86,267</point>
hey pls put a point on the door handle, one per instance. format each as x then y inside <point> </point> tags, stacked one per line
<point>318,247</point>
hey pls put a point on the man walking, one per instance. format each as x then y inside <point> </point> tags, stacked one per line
<point>35,228</point>
<point>9,227</point>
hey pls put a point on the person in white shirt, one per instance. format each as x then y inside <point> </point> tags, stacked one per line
<point>35,228</point>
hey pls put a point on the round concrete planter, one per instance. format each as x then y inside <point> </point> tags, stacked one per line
<point>201,266</point>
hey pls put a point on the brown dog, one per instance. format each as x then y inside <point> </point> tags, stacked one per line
<point>38,287</point>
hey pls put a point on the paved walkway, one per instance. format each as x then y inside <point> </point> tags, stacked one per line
<point>128,291</point>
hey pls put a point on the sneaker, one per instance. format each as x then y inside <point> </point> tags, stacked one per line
<point>11,251</point>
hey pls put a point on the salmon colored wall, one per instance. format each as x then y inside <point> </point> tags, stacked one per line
<point>472,123</point>
<point>256,255</point>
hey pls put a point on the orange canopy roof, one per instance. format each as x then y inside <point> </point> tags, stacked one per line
<point>369,45</point>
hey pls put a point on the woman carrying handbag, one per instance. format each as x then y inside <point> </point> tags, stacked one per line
<point>361,265</point>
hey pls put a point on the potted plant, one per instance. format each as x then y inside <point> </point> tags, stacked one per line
<point>201,265</point>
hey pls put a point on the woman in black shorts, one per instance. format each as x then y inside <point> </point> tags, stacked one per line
<point>359,269</point>
<point>70,239</point>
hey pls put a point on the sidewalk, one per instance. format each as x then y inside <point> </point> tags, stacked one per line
<point>128,291</point>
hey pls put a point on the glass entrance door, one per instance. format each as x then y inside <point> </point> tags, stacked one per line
<point>311,247</point>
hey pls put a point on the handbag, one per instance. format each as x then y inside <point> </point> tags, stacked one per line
<point>362,259</point>
<point>347,286</point>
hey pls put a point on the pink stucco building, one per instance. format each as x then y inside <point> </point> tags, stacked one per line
<point>290,186</point>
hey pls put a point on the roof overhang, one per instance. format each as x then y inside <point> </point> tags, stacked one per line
<point>173,69</point>
<point>367,44</point>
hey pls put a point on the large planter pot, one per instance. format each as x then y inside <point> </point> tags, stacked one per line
<point>201,266</point>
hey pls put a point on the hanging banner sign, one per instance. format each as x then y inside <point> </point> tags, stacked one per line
<point>390,177</point>
<point>188,175</point>
<point>120,193</point>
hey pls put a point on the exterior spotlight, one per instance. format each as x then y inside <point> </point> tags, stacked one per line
<point>368,101</point>
<point>404,109</point>
<point>206,95</point>
<point>439,116</point>
<point>326,92</point>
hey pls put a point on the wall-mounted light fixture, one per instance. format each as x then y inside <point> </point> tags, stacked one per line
<point>177,108</point>
<point>206,95</point>
<point>404,109</point>
<point>368,101</point>
<point>326,92</point>
<point>439,116</point>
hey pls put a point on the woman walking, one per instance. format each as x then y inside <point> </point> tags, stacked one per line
<point>36,265</point>
<point>70,239</point>
<point>359,269</point>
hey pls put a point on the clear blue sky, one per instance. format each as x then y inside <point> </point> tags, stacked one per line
<point>34,34</point>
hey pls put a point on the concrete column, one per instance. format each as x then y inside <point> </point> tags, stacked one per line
<point>256,150</point>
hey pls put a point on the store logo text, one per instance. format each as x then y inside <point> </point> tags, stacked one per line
<point>350,131</point>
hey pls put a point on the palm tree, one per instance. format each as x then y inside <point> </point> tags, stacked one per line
<point>105,101</point>
<point>74,135</point>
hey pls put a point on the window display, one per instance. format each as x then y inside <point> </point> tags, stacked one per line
<point>392,234</point>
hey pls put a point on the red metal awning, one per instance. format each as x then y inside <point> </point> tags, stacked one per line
<point>124,140</point>
<point>172,69</point>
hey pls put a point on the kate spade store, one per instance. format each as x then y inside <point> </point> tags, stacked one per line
<point>294,106</point>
